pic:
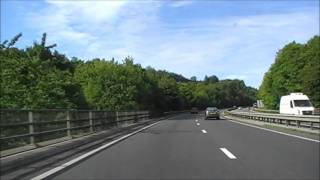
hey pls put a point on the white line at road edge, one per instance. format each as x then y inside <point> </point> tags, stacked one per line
<point>228,153</point>
<point>204,131</point>
<point>308,139</point>
<point>59,168</point>
<point>198,124</point>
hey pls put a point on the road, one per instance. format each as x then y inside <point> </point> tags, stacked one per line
<point>189,147</point>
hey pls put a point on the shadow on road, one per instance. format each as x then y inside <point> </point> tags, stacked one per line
<point>192,117</point>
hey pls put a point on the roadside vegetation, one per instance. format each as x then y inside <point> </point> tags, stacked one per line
<point>39,77</point>
<point>296,69</point>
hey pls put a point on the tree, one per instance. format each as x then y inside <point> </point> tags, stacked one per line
<point>41,77</point>
<point>13,40</point>
<point>296,69</point>
<point>211,79</point>
<point>29,79</point>
<point>193,78</point>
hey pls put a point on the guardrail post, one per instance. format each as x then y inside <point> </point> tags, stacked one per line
<point>145,114</point>
<point>117,118</point>
<point>298,124</point>
<point>125,118</point>
<point>311,125</point>
<point>68,125</point>
<point>136,118</point>
<point>31,127</point>
<point>90,122</point>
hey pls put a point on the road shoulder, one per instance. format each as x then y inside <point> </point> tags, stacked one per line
<point>301,132</point>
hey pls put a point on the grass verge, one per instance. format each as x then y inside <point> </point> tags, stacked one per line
<point>294,131</point>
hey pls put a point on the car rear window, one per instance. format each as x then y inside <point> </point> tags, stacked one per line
<point>212,109</point>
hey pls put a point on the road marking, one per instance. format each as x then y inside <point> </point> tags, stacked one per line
<point>228,153</point>
<point>204,131</point>
<point>197,120</point>
<point>198,124</point>
<point>308,139</point>
<point>86,155</point>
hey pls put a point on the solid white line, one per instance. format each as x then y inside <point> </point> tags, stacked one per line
<point>59,168</point>
<point>198,124</point>
<point>204,131</point>
<point>308,139</point>
<point>228,153</point>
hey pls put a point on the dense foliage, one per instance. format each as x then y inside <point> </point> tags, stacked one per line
<point>296,69</point>
<point>36,77</point>
<point>39,77</point>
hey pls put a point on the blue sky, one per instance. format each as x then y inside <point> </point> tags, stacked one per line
<point>230,39</point>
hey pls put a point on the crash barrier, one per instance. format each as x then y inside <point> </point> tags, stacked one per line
<point>308,121</point>
<point>32,127</point>
<point>316,111</point>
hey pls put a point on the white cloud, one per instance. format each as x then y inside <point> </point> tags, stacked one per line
<point>87,11</point>
<point>240,46</point>
<point>180,3</point>
<point>216,46</point>
<point>233,76</point>
<point>75,22</point>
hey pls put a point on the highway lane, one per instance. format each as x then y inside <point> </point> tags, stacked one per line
<point>265,154</point>
<point>178,148</point>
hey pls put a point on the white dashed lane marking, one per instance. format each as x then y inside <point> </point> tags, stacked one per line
<point>228,153</point>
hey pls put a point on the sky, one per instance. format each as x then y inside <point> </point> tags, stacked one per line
<point>231,39</point>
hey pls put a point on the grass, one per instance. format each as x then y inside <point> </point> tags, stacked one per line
<point>294,131</point>
<point>267,111</point>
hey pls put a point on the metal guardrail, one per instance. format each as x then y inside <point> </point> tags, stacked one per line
<point>309,121</point>
<point>30,127</point>
<point>316,111</point>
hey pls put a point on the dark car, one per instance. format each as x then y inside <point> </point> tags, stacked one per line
<point>194,110</point>
<point>212,112</point>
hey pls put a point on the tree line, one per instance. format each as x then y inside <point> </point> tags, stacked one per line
<point>39,77</point>
<point>296,69</point>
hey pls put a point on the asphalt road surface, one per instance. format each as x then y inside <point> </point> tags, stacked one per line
<point>189,147</point>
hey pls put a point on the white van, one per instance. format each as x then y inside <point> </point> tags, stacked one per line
<point>296,104</point>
